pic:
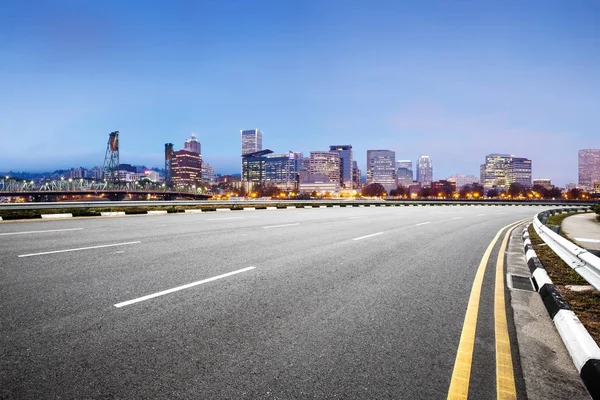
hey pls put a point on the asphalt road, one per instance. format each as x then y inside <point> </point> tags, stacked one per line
<point>323,303</point>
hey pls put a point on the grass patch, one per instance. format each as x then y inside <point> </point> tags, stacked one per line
<point>587,308</point>
<point>559,218</point>
<point>586,305</point>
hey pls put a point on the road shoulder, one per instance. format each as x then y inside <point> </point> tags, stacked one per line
<point>548,371</point>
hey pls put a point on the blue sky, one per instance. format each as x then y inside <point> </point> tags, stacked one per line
<point>452,79</point>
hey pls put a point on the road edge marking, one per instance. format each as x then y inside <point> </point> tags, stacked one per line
<point>461,373</point>
<point>505,376</point>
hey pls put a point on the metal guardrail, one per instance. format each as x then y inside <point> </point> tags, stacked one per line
<point>582,261</point>
<point>255,202</point>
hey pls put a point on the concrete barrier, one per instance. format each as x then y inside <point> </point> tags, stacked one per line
<point>57,216</point>
<point>223,209</point>
<point>157,212</point>
<point>193,211</point>
<point>249,208</point>
<point>582,348</point>
<point>112,213</point>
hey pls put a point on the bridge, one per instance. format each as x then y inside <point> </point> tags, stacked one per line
<point>94,189</point>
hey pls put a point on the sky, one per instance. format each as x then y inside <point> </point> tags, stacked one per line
<point>454,80</point>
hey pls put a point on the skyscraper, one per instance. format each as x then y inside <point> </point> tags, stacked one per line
<point>381,168</point>
<point>356,177</point>
<point>424,170</point>
<point>345,152</point>
<point>404,172</point>
<point>589,168</point>
<point>251,141</point>
<point>192,144</point>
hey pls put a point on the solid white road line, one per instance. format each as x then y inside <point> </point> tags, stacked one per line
<point>223,219</point>
<point>81,248</point>
<point>587,240</point>
<point>423,223</point>
<point>480,215</point>
<point>457,218</point>
<point>358,217</point>
<point>178,288</point>
<point>368,236</point>
<point>280,226</point>
<point>51,230</point>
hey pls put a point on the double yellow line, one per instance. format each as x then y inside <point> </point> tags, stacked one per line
<point>461,375</point>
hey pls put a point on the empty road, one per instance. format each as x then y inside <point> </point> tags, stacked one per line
<point>300,303</point>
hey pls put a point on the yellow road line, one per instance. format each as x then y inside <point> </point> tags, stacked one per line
<point>505,378</point>
<point>461,374</point>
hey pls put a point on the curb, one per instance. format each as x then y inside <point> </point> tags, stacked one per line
<point>112,213</point>
<point>157,212</point>
<point>57,216</point>
<point>582,348</point>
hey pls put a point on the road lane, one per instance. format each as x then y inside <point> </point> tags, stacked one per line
<point>321,314</point>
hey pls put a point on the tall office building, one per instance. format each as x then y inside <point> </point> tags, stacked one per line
<point>425,170</point>
<point>381,168</point>
<point>501,170</point>
<point>345,152</point>
<point>282,170</point>
<point>327,164</point>
<point>404,172</point>
<point>494,171</point>
<point>356,176</point>
<point>251,141</point>
<point>186,168</point>
<point>589,168</point>
<point>323,174</point>
<point>253,168</point>
<point>520,172</point>
<point>192,144</point>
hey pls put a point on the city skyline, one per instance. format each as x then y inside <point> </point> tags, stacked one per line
<point>455,83</point>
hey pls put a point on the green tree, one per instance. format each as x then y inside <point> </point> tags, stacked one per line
<point>399,191</point>
<point>493,193</point>
<point>374,190</point>
<point>515,189</point>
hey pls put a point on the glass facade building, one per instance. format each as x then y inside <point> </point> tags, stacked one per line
<point>589,168</point>
<point>282,170</point>
<point>404,172</point>
<point>345,153</point>
<point>425,171</point>
<point>251,141</point>
<point>381,168</point>
<point>501,170</point>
